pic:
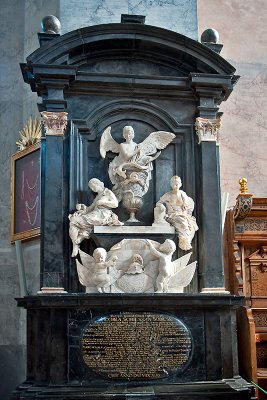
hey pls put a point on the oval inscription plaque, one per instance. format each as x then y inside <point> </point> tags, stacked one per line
<point>136,346</point>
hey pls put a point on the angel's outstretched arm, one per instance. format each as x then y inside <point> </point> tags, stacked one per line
<point>153,250</point>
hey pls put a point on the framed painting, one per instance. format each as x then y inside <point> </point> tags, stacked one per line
<point>26,193</point>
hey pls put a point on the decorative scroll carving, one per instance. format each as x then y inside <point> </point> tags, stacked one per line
<point>255,224</point>
<point>243,201</point>
<point>30,134</point>
<point>243,206</point>
<point>54,123</point>
<point>207,129</point>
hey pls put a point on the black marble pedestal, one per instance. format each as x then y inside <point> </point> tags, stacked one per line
<point>56,370</point>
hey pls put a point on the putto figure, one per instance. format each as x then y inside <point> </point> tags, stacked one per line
<point>95,269</point>
<point>98,213</point>
<point>164,254</point>
<point>179,208</point>
<point>130,171</point>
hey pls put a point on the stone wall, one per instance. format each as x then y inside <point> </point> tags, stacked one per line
<point>19,22</point>
<point>242,29</point>
<point>176,15</point>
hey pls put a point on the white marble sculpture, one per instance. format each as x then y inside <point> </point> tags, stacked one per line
<point>97,268</point>
<point>130,171</point>
<point>178,208</point>
<point>98,213</point>
<point>136,266</point>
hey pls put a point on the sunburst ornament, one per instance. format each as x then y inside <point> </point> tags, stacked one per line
<point>30,134</point>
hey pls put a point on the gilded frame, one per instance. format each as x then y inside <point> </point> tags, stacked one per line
<point>26,213</point>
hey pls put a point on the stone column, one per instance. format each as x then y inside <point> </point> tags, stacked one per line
<point>210,235</point>
<point>53,274</point>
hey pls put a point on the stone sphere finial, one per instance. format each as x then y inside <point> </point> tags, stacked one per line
<point>210,36</point>
<point>51,24</point>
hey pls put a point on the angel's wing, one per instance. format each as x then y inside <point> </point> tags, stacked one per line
<point>156,141</point>
<point>87,260</point>
<point>107,143</point>
<point>180,263</point>
<point>184,276</point>
<point>84,274</point>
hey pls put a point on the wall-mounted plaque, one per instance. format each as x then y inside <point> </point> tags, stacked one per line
<point>136,346</point>
<point>25,193</point>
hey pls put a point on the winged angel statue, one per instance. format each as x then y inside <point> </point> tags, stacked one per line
<point>135,266</point>
<point>130,170</point>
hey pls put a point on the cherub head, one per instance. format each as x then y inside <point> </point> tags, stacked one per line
<point>100,254</point>
<point>96,185</point>
<point>168,246</point>
<point>128,133</point>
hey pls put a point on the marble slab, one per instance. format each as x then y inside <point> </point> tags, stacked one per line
<point>134,230</point>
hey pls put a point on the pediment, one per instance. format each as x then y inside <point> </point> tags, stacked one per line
<point>133,45</point>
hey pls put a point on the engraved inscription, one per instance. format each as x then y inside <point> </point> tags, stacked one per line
<point>136,346</point>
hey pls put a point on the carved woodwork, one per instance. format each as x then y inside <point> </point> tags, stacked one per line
<point>245,239</point>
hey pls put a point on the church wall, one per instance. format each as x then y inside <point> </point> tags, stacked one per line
<point>19,22</point>
<point>176,15</point>
<point>242,29</point>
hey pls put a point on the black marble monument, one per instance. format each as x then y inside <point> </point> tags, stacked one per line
<point>138,346</point>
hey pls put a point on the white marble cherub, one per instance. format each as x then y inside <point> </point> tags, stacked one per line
<point>94,270</point>
<point>164,254</point>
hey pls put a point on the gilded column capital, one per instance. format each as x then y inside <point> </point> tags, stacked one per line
<point>207,130</point>
<point>54,122</point>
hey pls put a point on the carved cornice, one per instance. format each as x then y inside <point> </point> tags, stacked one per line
<point>54,122</point>
<point>207,130</point>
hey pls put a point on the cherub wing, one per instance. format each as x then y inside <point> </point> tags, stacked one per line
<point>184,276</point>
<point>180,263</point>
<point>107,143</point>
<point>84,274</point>
<point>85,269</point>
<point>156,141</point>
<point>87,260</point>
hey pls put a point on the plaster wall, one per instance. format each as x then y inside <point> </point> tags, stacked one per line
<point>242,29</point>
<point>176,15</point>
<point>19,22</point>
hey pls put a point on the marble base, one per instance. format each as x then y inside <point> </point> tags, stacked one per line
<point>218,290</point>
<point>56,325</point>
<point>133,230</point>
<point>51,290</point>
